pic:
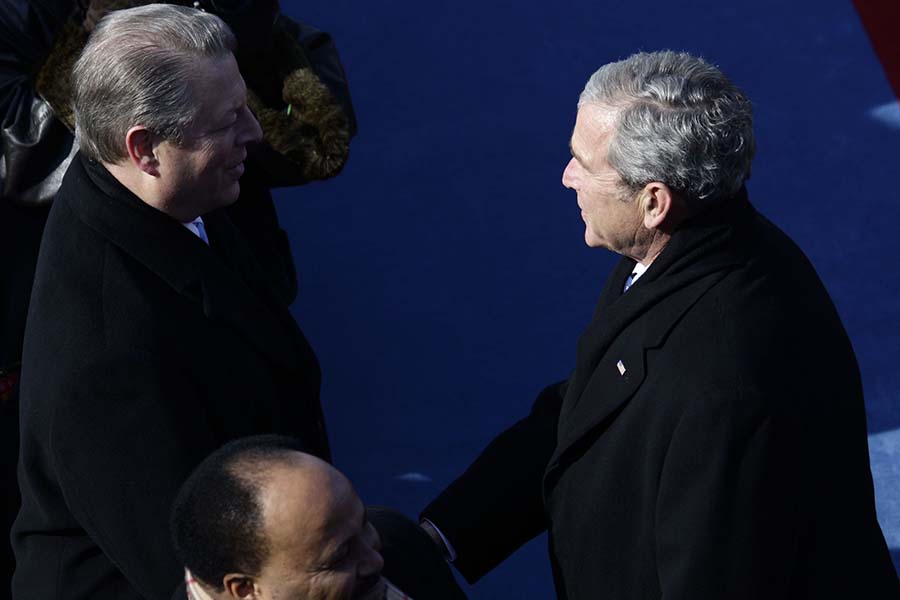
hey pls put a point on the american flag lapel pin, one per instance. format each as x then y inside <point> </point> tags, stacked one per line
<point>621,367</point>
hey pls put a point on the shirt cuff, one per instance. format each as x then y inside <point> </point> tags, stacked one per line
<point>451,553</point>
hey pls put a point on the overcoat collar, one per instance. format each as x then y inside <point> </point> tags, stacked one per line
<point>699,255</point>
<point>223,277</point>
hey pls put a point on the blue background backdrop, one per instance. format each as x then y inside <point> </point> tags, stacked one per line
<point>443,275</point>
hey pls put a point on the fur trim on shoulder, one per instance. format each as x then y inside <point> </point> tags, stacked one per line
<point>312,132</point>
<point>306,125</point>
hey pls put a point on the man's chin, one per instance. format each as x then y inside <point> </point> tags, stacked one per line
<point>591,241</point>
<point>230,194</point>
<point>374,590</point>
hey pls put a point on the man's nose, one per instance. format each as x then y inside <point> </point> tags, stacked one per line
<point>371,563</point>
<point>252,132</point>
<point>568,178</point>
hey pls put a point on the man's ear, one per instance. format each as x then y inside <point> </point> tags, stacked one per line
<point>240,586</point>
<point>141,145</point>
<point>657,204</point>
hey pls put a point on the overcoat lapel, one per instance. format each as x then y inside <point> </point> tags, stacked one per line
<point>611,359</point>
<point>593,342</point>
<point>271,325</point>
<point>621,365</point>
<point>183,261</point>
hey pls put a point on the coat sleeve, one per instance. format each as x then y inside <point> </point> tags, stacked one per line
<point>123,439</point>
<point>728,507</point>
<point>496,505</point>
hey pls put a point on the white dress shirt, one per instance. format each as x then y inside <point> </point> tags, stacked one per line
<point>639,270</point>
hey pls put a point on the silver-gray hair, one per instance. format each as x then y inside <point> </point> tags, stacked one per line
<point>679,121</point>
<point>136,69</point>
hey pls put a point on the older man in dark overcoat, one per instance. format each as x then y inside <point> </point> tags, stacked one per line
<point>284,61</point>
<point>711,441</point>
<point>154,335</point>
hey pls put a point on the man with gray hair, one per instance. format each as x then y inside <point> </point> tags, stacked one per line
<point>711,440</point>
<point>153,334</point>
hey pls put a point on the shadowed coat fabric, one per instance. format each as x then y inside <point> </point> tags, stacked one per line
<point>145,350</point>
<point>711,442</point>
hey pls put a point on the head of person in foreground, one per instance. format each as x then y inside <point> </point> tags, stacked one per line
<point>260,519</point>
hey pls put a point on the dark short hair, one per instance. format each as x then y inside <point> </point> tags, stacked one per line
<point>217,522</point>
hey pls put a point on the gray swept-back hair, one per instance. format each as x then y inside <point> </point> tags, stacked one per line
<point>136,69</point>
<point>679,121</point>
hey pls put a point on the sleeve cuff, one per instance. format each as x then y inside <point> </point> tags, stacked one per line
<point>451,552</point>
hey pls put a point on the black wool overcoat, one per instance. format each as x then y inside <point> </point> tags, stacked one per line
<point>710,444</point>
<point>145,350</point>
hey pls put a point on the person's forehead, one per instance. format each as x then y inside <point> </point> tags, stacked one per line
<point>341,520</point>
<point>595,119</point>
<point>594,126</point>
<point>311,515</point>
<point>217,85</point>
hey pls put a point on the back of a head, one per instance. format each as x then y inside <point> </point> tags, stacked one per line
<point>217,520</point>
<point>136,70</point>
<point>679,121</point>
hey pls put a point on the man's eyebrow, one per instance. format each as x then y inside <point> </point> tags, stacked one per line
<point>575,154</point>
<point>336,554</point>
<point>238,103</point>
<point>233,108</point>
<point>581,160</point>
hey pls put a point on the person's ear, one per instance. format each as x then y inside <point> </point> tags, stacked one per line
<point>240,586</point>
<point>140,143</point>
<point>657,204</point>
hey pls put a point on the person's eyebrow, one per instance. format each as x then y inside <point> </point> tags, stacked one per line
<point>581,160</point>
<point>234,107</point>
<point>576,155</point>
<point>337,555</point>
<point>221,119</point>
<point>339,552</point>
<point>229,112</point>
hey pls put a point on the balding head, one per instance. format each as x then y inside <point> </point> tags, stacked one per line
<point>261,519</point>
<point>298,482</point>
